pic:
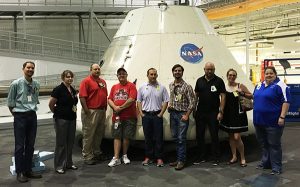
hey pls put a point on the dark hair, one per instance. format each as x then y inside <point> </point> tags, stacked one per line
<point>65,73</point>
<point>230,71</point>
<point>150,70</point>
<point>176,66</point>
<point>271,68</point>
<point>28,62</point>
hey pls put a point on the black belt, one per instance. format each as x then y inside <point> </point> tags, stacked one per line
<point>25,113</point>
<point>151,112</point>
<point>173,110</point>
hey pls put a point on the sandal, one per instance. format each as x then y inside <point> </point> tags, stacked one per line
<point>231,162</point>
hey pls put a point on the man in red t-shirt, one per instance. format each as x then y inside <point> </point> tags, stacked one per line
<point>93,98</point>
<point>122,99</point>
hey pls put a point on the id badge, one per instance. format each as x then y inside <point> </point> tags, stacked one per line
<point>178,97</point>
<point>235,93</point>
<point>74,108</point>
<point>29,98</point>
<point>213,89</point>
<point>116,125</point>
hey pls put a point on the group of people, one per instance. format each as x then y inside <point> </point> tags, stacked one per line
<point>213,103</point>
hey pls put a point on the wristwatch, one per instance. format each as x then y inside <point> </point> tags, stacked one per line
<point>282,117</point>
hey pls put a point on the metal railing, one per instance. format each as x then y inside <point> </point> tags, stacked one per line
<point>87,3</point>
<point>26,44</point>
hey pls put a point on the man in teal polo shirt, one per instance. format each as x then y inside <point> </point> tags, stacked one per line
<point>22,102</point>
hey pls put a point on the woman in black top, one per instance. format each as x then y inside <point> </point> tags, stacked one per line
<point>63,103</point>
<point>235,119</point>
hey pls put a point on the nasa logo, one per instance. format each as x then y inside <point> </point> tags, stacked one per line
<point>191,53</point>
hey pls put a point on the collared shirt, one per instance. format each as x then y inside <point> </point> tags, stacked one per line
<point>23,95</point>
<point>65,107</point>
<point>152,96</point>
<point>209,93</point>
<point>94,91</point>
<point>268,101</point>
<point>182,97</point>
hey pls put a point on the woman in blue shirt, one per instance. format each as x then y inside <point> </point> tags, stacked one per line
<point>271,104</point>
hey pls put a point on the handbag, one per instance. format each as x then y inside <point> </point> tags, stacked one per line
<point>246,104</point>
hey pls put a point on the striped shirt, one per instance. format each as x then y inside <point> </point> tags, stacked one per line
<point>182,97</point>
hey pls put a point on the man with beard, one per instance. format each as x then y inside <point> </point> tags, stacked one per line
<point>22,102</point>
<point>93,98</point>
<point>210,92</point>
<point>181,105</point>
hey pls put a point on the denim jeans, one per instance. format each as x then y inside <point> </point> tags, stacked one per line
<point>270,141</point>
<point>179,130</point>
<point>25,126</point>
<point>153,132</point>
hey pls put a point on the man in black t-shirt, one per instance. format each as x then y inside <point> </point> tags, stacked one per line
<point>210,92</point>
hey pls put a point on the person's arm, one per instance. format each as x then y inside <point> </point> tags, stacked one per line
<point>284,110</point>
<point>139,105</point>
<point>52,103</point>
<point>245,92</point>
<point>84,105</point>
<point>192,100</point>
<point>11,97</point>
<point>163,109</point>
<point>222,105</point>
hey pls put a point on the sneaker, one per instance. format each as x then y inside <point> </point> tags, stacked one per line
<point>180,166</point>
<point>114,162</point>
<point>125,159</point>
<point>275,172</point>
<point>147,161</point>
<point>160,163</point>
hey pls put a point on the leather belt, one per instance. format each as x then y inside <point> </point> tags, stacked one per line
<point>151,112</point>
<point>25,113</point>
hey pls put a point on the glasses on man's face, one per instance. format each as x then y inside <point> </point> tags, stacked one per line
<point>231,75</point>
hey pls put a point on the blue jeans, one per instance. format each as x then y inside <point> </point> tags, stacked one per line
<point>179,130</point>
<point>25,126</point>
<point>153,132</point>
<point>270,141</point>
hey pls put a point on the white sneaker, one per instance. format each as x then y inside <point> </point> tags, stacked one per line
<point>114,162</point>
<point>125,159</point>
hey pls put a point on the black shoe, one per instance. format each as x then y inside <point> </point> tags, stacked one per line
<point>197,162</point>
<point>60,171</point>
<point>73,167</point>
<point>216,163</point>
<point>32,175</point>
<point>21,178</point>
<point>90,162</point>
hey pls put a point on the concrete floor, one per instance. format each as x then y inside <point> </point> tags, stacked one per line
<point>137,175</point>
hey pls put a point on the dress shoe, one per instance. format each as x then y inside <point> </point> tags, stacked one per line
<point>21,178</point>
<point>73,167</point>
<point>180,166</point>
<point>32,175</point>
<point>173,164</point>
<point>90,162</point>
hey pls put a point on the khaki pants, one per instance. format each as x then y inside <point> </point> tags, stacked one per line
<point>93,128</point>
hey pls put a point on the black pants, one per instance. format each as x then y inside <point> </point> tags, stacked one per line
<point>209,120</point>
<point>25,126</point>
<point>65,135</point>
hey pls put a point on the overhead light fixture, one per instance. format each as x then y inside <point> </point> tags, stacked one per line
<point>251,41</point>
<point>297,40</point>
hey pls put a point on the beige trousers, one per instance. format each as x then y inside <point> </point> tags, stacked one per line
<point>93,128</point>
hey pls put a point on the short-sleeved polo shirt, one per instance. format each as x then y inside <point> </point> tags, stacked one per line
<point>209,93</point>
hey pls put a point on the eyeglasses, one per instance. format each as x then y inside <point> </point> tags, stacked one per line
<point>231,75</point>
